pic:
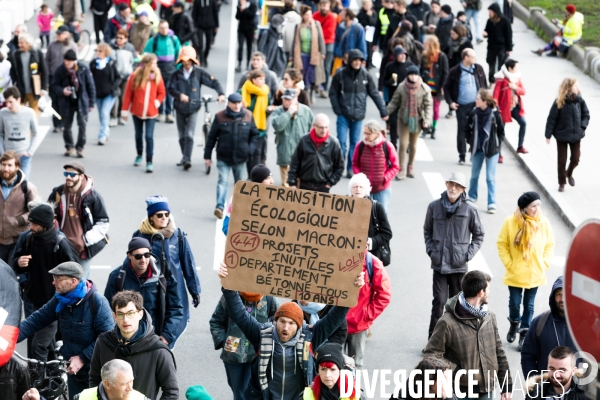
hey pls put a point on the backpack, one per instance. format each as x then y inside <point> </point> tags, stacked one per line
<point>541,323</point>
<point>25,195</point>
<point>386,151</point>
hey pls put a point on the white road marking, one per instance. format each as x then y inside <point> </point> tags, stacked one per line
<point>423,153</point>
<point>436,185</point>
<point>586,288</point>
<point>232,47</point>
<point>101,267</point>
<point>3,315</point>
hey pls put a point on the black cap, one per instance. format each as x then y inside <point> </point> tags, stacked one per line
<point>178,4</point>
<point>259,173</point>
<point>526,199</point>
<point>42,215</point>
<point>330,352</point>
<point>138,243</point>
<point>62,29</point>
<point>70,55</point>
<point>413,69</point>
<point>76,166</point>
<point>447,9</point>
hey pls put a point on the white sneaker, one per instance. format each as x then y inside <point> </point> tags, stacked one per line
<point>113,122</point>
<point>161,118</point>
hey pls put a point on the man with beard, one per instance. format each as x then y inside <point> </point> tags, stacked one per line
<point>133,339</point>
<point>55,55</point>
<point>466,327</point>
<point>16,193</point>
<point>561,380</point>
<point>36,253</point>
<point>81,214</point>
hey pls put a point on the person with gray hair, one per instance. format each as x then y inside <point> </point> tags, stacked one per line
<point>28,72</point>
<point>317,163</point>
<point>117,384</point>
<point>376,158</point>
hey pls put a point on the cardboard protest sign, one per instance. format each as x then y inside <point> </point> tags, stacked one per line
<point>298,244</point>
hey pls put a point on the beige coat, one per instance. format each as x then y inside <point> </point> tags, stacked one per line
<point>424,104</point>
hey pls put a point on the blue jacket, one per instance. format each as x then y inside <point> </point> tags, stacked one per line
<point>78,327</point>
<point>534,355</point>
<point>149,291</point>
<point>346,41</point>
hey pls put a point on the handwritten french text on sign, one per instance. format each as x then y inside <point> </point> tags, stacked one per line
<point>295,243</point>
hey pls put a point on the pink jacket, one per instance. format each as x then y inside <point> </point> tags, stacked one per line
<point>44,22</point>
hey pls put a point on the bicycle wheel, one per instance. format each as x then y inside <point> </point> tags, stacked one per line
<point>83,45</point>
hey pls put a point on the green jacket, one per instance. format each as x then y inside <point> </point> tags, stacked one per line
<point>288,131</point>
<point>228,336</point>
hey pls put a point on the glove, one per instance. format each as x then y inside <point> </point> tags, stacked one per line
<point>196,300</point>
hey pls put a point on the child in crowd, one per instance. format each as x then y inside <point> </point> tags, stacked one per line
<point>256,98</point>
<point>44,22</point>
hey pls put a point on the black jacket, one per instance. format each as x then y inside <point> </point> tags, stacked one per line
<point>395,20</point>
<point>398,69</point>
<point>385,230</point>
<point>442,31</point>
<point>499,34</point>
<point>268,44</point>
<point>86,95</point>
<point>14,379</point>
<point>16,75</point>
<point>418,10</point>
<point>205,14</point>
<point>379,39</point>
<point>491,145</point>
<point>568,124</point>
<point>235,137</point>
<point>47,250</point>
<point>183,26</point>
<point>191,88</point>
<point>247,17</point>
<point>314,165</point>
<point>350,88</point>
<point>452,84</point>
<point>100,6</point>
<point>106,81</point>
<point>153,362</point>
<point>365,20</point>
<point>92,213</point>
<point>440,73</point>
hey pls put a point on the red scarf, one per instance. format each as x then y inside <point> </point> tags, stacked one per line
<point>318,140</point>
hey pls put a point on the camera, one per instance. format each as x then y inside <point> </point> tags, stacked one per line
<point>73,95</point>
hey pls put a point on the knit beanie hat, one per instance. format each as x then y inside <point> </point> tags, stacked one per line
<point>526,199</point>
<point>259,173</point>
<point>197,393</point>
<point>330,352</point>
<point>138,243</point>
<point>571,9</point>
<point>42,215</point>
<point>157,203</point>
<point>447,9</point>
<point>292,311</point>
<point>70,55</point>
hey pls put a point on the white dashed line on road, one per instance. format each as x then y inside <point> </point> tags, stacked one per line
<point>423,153</point>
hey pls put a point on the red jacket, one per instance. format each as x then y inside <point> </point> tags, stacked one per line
<point>373,164</point>
<point>328,24</point>
<point>141,105</point>
<point>372,299</point>
<point>504,97</point>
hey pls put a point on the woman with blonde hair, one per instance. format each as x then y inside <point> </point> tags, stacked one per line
<point>144,94</point>
<point>526,247</point>
<point>434,70</point>
<point>568,119</point>
<point>108,82</point>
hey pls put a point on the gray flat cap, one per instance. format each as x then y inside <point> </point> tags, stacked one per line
<point>69,268</point>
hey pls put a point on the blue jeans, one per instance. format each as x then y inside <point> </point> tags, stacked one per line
<point>490,176</point>
<point>515,295</point>
<point>104,106</point>
<point>384,197</point>
<point>343,125</point>
<point>522,123</point>
<point>238,378</point>
<point>26,166</point>
<point>328,63</point>
<point>239,173</point>
<point>474,15</point>
<point>138,124</point>
<point>167,105</point>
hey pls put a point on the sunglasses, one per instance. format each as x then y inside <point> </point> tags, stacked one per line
<point>160,215</point>
<point>139,256</point>
<point>70,174</point>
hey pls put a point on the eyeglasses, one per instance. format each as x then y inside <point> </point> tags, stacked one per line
<point>57,279</point>
<point>321,127</point>
<point>453,185</point>
<point>139,256</point>
<point>70,174</point>
<point>160,215</point>
<point>129,315</point>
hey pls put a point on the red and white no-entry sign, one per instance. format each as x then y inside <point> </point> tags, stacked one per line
<point>582,287</point>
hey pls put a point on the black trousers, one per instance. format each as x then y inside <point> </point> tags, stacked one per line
<point>68,125</point>
<point>461,122</point>
<point>495,58</point>
<point>57,123</point>
<point>259,156</point>
<point>561,149</point>
<point>444,287</point>
<point>246,37</point>
<point>99,25</point>
<point>204,40</point>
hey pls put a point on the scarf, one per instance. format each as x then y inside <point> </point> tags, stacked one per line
<point>124,348</point>
<point>147,229</point>
<point>330,394</point>
<point>431,78</point>
<point>528,226</point>
<point>513,77</point>
<point>73,75</point>
<point>449,207</point>
<point>312,309</point>
<point>72,297</point>
<point>484,125</point>
<point>234,115</point>
<point>102,62</point>
<point>375,142</point>
<point>315,56</point>
<point>455,46</point>
<point>318,140</point>
<point>480,312</point>
<point>251,297</point>
<point>410,112</point>
<point>260,106</point>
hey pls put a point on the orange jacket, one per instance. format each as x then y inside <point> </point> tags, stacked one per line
<point>143,102</point>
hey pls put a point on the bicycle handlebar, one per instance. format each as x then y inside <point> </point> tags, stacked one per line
<point>34,361</point>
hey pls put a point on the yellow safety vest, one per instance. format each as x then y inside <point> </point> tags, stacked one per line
<point>385,21</point>
<point>92,394</point>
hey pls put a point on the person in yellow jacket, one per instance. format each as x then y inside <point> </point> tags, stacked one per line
<point>571,30</point>
<point>117,384</point>
<point>526,247</point>
<point>328,383</point>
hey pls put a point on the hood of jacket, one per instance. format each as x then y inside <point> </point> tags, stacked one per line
<point>558,284</point>
<point>578,17</point>
<point>495,7</point>
<point>354,54</point>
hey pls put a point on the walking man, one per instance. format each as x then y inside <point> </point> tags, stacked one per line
<point>29,72</point>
